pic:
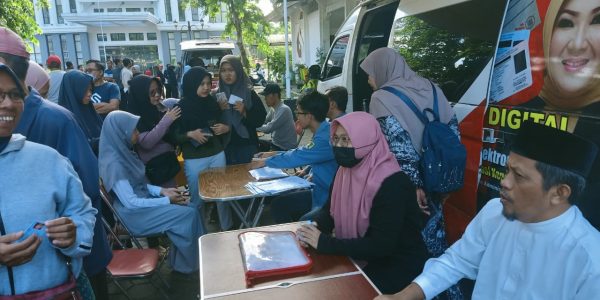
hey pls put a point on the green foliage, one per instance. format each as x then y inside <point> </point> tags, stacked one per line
<point>321,55</point>
<point>18,15</point>
<point>245,21</point>
<point>276,63</point>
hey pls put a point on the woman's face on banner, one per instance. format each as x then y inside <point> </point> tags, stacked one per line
<point>575,47</point>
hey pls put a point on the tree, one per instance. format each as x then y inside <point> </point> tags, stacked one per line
<point>18,15</point>
<point>244,20</point>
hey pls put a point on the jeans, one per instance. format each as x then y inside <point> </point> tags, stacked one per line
<point>195,166</point>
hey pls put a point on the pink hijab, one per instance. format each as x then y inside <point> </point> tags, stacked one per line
<point>389,68</point>
<point>354,188</point>
<point>36,77</point>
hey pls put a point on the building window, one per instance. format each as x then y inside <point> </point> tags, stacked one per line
<point>172,47</point>
<point>195,14</point>
<point>46,15</point>
<point>133,9</point>
<point>117,37</point>
<point>72,6</point>
<point>149,9</point>
<point>220,17</point>
<point>114,9</point>
<point>181,11</point>
<point>50,45</point>
<point>151,36</point>
<point>59,12</point>
<point>64,48</point>
<point>36,55</point>
<point>184,36</point>
<point>101,37</point>
<point>98,10</point>
<point>78,52</point>
<point>169,16</point>
<point>136,36</point>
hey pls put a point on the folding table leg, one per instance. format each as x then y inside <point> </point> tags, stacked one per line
<point>237,208</point>
<point>259,211</point>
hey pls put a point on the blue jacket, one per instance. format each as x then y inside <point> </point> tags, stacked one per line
<point>39,184</point>
<point>52,125</point>
<point>319,155</point>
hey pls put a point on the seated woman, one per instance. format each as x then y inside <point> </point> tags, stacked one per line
<point>371,208</point>
<point>147,209</point>
<point>154,147</point>
<point>75,95</point>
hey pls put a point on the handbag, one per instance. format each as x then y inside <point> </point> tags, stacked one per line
<point>67,290</point>
<point>162,168</point>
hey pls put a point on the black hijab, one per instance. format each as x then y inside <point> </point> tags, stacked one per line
<point>241,88</point>
<point>139,102</point>
<point>196,111</point>
<point>72,89</point>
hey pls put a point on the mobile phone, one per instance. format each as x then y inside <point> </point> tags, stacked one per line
<point>36,228</point>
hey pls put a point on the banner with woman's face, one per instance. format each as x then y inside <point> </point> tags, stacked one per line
<point>547,69</point>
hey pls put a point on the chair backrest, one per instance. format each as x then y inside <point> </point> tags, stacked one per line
<point>300,138</point>
<point>109,200</point>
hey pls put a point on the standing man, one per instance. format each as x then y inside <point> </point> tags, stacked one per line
<point>532,242</point>
<point>70,66</point>
<point>47,123</point>
<point>105,96</point>
<point>117,73</point>
<point>126,73</point>
<point>108,73</point>
<point>171,82</point>
<point>279,121</point>
<point>338,99</point>
<point>56,75</point>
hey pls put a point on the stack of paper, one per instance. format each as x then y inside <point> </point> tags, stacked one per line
<point>267,173</point>
<point>277,186</point>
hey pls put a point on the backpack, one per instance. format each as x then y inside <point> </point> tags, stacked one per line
<point>443,157</point>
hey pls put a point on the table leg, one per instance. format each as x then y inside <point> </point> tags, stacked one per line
<point>259,211</point>
<point>237,208</point>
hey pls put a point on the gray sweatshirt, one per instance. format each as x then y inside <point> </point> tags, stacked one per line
<point>280,122</point>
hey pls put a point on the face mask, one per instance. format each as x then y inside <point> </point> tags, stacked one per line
<point>345,157</point>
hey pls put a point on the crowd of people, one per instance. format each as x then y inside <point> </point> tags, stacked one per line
<point>67,133</point>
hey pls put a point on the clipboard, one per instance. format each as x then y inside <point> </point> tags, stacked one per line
<point>272,253</point>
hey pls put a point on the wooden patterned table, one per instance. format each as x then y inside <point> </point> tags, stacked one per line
<point>222,274</point>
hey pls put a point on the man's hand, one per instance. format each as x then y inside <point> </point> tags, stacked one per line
<point>197,135</point>
<point>220,129</point>
<point>309,234</point>
<point>14,253</point>
<point>104,108</point>
<point>265,154</point>
<point>175,196</point>
<point>62,232</point>
<point>257,163</point>
<point>412,292</point>
<point>173,113</point>
<point>240,107</point>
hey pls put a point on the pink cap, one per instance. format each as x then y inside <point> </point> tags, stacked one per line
<point>11,43</point>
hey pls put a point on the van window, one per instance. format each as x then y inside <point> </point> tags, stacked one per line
<point>452,59</point>
<point>335,60</point>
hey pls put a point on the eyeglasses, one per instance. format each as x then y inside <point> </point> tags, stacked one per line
<point>301,113</point>
<point>13,96</point>
<point>341,141</point>
<point>155,93</point>
<point>90,70</point>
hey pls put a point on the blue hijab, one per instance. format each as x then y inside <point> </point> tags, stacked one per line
<point>72,89</point>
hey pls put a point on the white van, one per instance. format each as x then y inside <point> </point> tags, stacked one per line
<point>488,58</point>
<point>210,51</point>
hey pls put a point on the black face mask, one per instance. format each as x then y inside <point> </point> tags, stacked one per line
<point>345,157</point>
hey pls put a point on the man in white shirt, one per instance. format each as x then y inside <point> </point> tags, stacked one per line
<point>56,75</point>
<point>126,73</point>
<point>532,242</point>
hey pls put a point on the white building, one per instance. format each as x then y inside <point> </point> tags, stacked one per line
<point>146,31</point>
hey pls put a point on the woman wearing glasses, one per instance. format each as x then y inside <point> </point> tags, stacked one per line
<point>155,147</point>
<point>372,207</point>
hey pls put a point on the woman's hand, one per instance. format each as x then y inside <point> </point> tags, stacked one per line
<point>240,107</point>
<point>422,201</point>
<point>175,196</point>
<point>224,105</point>
<point>220,129</point>
<point>197,135</point>
<point>173,113</point>
<point>309,234</point>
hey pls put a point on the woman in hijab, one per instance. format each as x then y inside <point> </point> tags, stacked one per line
<point>247,114</point>
<point>404,131</point>
<point>201,132</point>
<point>147,209</point>
<point>38,78</point>
<point>75,95</point>
<point>155,148</point>
<point>371,208</point>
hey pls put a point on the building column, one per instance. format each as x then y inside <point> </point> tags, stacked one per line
<point>164,40</point>
<point>85,46</point>
<point>325,43</point>
<point>56,45</point>
<point>43,46</point>
<point>177,41</point>
<point>71,48</point>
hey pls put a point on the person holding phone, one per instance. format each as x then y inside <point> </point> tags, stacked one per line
<point>201,133</point>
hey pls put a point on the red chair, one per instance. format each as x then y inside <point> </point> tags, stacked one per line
<point>130,263</point>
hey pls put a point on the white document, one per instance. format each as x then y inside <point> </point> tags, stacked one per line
<point>512,67</point>
<point>267,173</point>
<point>263,251</point>
<point>233,99</point>
<point>278,185</point>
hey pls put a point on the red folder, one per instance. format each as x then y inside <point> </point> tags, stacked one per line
<point>271,253</point>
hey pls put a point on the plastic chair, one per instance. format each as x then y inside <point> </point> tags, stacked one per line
<point>130,263</point>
